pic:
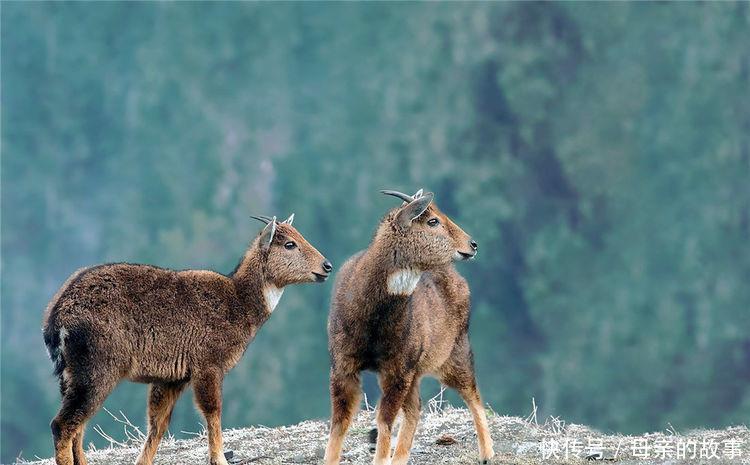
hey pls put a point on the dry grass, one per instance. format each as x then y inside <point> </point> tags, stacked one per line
<point>517,441</point>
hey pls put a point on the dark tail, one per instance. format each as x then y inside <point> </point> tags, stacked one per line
<point>54,343</point>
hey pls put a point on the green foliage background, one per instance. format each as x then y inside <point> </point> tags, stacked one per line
<point>599,154</point>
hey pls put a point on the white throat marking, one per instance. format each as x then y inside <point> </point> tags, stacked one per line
<point>403,282</point>
<point>272,294</point>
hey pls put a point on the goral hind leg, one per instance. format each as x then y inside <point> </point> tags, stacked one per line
<point>458,373</point>
<point>395,388</point>
<point>345,395</point>
<point>411,408</point>
<point>81,399</point>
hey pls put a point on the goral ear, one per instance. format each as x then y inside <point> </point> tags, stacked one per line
<point>266,236</point>
<point>413,209</point>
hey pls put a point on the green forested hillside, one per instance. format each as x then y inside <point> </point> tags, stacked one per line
<point>599,154</point>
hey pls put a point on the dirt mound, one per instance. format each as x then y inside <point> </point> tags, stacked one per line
<point>447,437</point>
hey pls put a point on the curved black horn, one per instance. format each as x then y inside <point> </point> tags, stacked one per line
<point>400,195</point>
<point>262,218</point>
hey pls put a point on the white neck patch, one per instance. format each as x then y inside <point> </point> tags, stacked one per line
<point>272,294</point>
<point>403,282</point>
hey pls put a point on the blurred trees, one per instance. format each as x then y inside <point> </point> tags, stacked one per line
<point>599,153</point>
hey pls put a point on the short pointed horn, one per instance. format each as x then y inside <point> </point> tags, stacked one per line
<point>262,218</point>
<point>400,195</point>
<point>289,220</point>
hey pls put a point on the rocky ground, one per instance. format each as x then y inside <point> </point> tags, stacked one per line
<point>446,436</point>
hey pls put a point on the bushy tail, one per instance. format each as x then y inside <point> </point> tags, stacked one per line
<point>54,342</point>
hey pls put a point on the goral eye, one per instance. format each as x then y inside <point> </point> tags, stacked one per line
<point>290,245</point>
<point>433,222</point>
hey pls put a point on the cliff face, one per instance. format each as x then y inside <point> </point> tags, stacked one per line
<point>446,436</point>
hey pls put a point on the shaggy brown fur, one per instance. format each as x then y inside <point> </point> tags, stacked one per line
<point>400,309</point>
<point>166,328</point>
